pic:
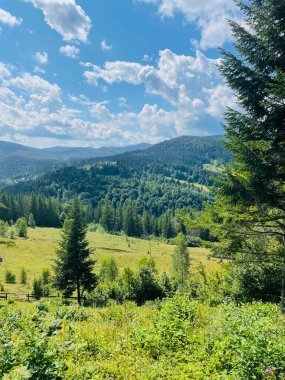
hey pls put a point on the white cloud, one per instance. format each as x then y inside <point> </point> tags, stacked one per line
<point>209,15</point>
<point>116,72</point>
<point>105,46</point>
<point>65,17</point>
<point>191,85</point>
<point>38,69</point>
<point>147,58</point>
<point>41,58</point>
<point>69,51</point>
<point>122,102</point>
<point>8,19</point>
<point>4,71</point>
<point>219,98</point>
<point>32,111</point>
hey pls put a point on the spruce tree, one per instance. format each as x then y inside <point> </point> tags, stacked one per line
<point>31,221</point>
<point>180,261</point>
<point>131,220</point>
<point>74,267</point>
<point>253,188</point>
<point>108,217</point>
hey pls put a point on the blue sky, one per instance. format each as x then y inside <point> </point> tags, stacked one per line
<point>111,72</point>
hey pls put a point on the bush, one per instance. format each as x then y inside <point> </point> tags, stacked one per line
<point>23,276</point>
<point>37,289</point>
<point>21,227</point>
<point>3,228</point>
<point>10,277</point>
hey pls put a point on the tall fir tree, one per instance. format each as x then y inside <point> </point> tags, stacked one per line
<point>252,189</point>
<point>74,267</point>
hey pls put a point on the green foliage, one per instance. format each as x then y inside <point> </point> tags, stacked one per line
<point>181,261</point>
<point>169,328</point>
<point>10,277</point>
<point>21,227</point>
<point>252,189</point>
<point>176,339</point>
<point>45,212</point>
<point>37,289</point>
<point>23,276</point>
<point>255,280</point>
<point>3,228</point>
<point>109,270</point>
<point>74,268</point>
<point>31,221</point>
<point>131,221</point>
<point>162,178</point>
<point>148,286</point>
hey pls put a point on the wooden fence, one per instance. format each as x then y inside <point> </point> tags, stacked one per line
<point>29,297</point>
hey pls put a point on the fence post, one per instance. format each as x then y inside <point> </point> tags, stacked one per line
<point>28,297</point>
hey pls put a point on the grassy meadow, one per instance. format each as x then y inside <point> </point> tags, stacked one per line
<point>38,252</point>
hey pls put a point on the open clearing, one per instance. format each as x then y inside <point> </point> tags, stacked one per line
<point>38,252</point>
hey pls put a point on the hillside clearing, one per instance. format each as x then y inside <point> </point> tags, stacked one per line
<point>38,252</point>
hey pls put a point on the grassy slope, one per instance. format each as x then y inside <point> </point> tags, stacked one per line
<point>38,252</point>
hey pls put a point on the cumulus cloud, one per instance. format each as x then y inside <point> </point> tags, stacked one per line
<point>191,88</point>
<point>65,17</point>
<point>189,84</point>
<point>41,58</point>
<point>116,72</point>
<point>105,46</point>
<point>32,111</point>
<point>210,17</point>
<point>69,51</point>
<point>8,19</point>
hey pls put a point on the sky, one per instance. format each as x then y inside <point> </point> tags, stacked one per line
<point>112,72</point>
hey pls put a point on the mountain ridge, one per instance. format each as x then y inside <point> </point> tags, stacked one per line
<point>21,160</point>
<point>166,176</point>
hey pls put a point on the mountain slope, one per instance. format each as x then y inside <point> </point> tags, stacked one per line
<point>19,161</point>
<point>85,153</point>
<point>163,177</point>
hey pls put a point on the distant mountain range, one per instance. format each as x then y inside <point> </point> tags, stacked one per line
<point>19,160</point>
<point>170,175</point>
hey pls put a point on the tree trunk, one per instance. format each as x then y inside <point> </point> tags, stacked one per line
<point>282,304</point>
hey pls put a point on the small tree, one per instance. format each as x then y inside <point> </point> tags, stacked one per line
<point>148,286</point>
<point>181,261</point>
<point>23,276</point>
<point>74,267</point>
<point>12,233</point>
<point>37,290</point>
<point>31,221</point>
<point>109,269</point>
<point>10,277</point>
<point>3,228</point>
<point>21,227</point>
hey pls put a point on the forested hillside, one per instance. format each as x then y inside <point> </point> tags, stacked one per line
<point>18,161</point>
<point>164,177</point>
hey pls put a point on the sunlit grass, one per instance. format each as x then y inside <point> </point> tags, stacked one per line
<point>38,252</point>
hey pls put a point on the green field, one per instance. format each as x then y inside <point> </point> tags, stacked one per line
<point>38,252</point>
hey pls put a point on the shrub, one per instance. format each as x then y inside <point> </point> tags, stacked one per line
<point>10,277</point>
<point>23,276</point>
<point>37,289</point>
<point>21,227</point>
